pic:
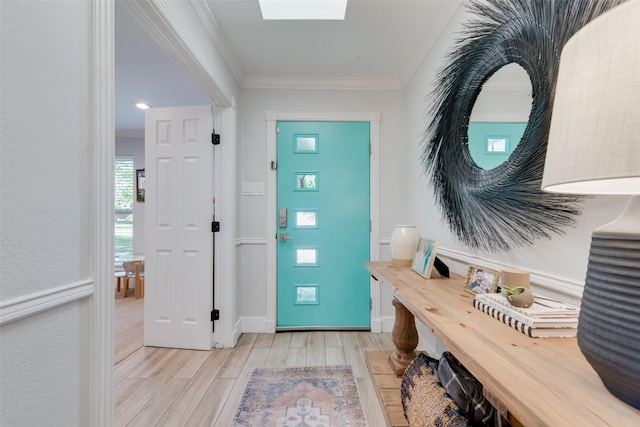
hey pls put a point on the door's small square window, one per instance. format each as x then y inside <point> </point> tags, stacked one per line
<point>306,181</point>
<point>305,144</point>
<point>306,294</point>
<point>307,219</point>
<point>306,257</point>
<point>497,144</point>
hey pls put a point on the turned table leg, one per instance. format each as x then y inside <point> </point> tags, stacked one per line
<point>405,338</point>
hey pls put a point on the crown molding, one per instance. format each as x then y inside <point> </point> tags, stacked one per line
<point>447,10</point>
<point>218,37</point>
<point>314,82</point>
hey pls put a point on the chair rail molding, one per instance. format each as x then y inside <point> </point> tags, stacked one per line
<point>563,288</point>
<point>31,304</point>
<point>560,287</point>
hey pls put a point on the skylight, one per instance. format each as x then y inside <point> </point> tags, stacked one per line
<point>303,9</point>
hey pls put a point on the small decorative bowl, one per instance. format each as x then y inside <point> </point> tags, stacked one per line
<point>519,297</point>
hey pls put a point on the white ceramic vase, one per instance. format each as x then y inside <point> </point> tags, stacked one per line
<point>404,242</point>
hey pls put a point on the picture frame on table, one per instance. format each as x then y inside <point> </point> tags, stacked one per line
<point>424,257</point>
<point>481,280</point>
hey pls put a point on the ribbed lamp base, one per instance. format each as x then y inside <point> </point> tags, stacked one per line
<point>609,325</point>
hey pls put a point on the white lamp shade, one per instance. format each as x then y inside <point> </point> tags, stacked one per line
<point>594,139</point>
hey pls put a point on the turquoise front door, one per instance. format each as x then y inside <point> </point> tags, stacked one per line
<point>323,225</point>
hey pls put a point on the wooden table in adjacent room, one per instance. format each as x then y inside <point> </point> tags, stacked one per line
<point>133,267</point>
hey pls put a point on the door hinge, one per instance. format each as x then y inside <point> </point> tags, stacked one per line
<point>215,138</point>
<point>370,304</point>
<point>215,315</point>
<point>215,226</point>
<point>274,165</point>
<point>370,149</point>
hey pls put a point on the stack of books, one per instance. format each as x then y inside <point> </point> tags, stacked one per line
<point>545,318</point>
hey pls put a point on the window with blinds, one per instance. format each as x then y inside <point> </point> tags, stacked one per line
<point>123,203</point>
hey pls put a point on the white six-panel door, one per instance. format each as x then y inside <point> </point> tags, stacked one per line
<point>178,240</point>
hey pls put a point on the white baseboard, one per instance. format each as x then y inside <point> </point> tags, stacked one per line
<point>376,326</point>
<point>261,325</point>
<point>253,325</point>
<point>387,323</point>
<point>270,326</point>
<point>236,333</point>
<point>37,302</point>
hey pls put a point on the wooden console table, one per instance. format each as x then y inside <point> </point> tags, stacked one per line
<point>538,381</point>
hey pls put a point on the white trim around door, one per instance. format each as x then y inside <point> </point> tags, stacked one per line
<point>225,259</point>
<point>272,117</point>
<point>159,23</point>
<point>102,311</point>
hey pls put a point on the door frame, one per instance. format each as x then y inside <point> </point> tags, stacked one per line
<point>272,118</point>
<point>167,30</point>
<point>160,22</point>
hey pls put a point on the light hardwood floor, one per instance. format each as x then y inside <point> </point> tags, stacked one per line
<point>129,314</point>
<point>170,387</point>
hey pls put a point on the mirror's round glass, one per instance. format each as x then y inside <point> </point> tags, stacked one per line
<point>499,116</point>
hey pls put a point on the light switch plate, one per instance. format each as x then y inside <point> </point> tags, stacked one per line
<point>253,188</point>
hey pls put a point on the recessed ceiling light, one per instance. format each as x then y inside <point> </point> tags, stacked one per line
<point>303,9</point>
<point>142,105</point>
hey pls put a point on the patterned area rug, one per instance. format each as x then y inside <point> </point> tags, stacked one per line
<point>320,396</point>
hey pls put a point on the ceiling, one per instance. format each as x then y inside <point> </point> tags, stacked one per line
<point>381,42</point>
<point>143,72</point>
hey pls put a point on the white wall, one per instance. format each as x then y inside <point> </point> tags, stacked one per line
<point>254,160</point>
<point>134,146</point>
<point>46,182</point>
<point>563,258</point>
